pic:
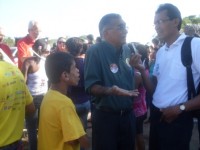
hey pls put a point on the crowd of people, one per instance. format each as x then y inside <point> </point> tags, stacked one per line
<point>54,88</point>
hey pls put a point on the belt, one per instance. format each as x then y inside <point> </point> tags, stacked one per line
<point>40,95</point>
<point>10,145</point>
<point>116,112</point>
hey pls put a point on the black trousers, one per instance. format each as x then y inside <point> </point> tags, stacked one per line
<point>170,136</point>
<point>113,131</point>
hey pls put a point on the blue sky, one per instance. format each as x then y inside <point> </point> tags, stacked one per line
<point>81,17</point>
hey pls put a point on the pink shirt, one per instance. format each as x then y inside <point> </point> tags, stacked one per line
<point>139,104</point>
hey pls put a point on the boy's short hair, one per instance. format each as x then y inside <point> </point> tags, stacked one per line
<point>40,46</point>
<point>56,64</point>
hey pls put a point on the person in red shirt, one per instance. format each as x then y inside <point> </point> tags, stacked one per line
<point>25,44</point>
<point>5,47</point>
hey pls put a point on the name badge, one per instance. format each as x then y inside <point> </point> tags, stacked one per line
<point>114,68</point>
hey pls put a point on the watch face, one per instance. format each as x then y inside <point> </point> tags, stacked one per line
<point>182,107</point>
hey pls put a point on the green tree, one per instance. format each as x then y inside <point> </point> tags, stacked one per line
<point>193,21</point>
<point>9,41</point>
<point>190,20</point>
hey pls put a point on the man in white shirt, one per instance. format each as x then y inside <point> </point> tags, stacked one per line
<point>171,120</point>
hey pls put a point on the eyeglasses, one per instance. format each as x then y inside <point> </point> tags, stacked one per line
<point>120,27</point>
<point>161,21</point>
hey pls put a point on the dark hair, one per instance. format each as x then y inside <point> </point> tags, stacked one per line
<point>107,20</point>
<point>196,35</point>
<point>90,37</point>
<point>56,64</point>
<point>172,12</point>
<point>130,46</point>
<point>155,41</point>
<point>74,46</point>
<point>98,39</point>
<point>143,51</point>
<point>40,46</point>
<point>85,47</point>
<point>61,38</point>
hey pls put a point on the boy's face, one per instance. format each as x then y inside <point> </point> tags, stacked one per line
<point>73,75</point>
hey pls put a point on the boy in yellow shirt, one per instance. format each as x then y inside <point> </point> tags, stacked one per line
<point>59,126</point>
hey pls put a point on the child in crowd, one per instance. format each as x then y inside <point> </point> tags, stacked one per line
<point>59,126</point>
<point>139,104</point>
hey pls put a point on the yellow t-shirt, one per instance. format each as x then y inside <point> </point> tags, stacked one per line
<point>14,96</point>
<point>59,123</point>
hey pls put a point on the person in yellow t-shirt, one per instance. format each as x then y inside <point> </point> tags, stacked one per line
<point>59,125</point>
<point>15,103</point>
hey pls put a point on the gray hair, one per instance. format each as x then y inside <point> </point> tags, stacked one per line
<point>32,23</point>
<point>106,21</point>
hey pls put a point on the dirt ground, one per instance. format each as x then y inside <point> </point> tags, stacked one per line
<point>194,144</point>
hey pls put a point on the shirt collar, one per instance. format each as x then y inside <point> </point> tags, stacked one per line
<point>29,39</point>
<point>181,38</point>
<point>113,50</point>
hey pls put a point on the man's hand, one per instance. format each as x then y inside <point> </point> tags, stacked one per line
<point>170,113</point>
<point>115,90</point>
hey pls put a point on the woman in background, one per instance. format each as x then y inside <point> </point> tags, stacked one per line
<point>60,45</point>
<point>77,93</point>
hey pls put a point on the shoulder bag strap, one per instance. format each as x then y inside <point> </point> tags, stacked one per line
<point>186,58</point>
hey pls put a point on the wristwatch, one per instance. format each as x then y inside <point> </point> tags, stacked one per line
<point>182,107</point>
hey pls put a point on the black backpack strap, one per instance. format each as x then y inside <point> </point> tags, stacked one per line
<point>186,58</point>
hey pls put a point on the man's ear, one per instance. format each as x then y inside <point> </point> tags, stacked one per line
<point>65,76</point>
<point>176,21</point>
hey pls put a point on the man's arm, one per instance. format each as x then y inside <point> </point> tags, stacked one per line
<point>30,109</point>
<point>114,90</point>
<point>25,68</point>
<point>83,140</point>
<point>193,104</point>
<point>172,112</point>
<point>150,85</point>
